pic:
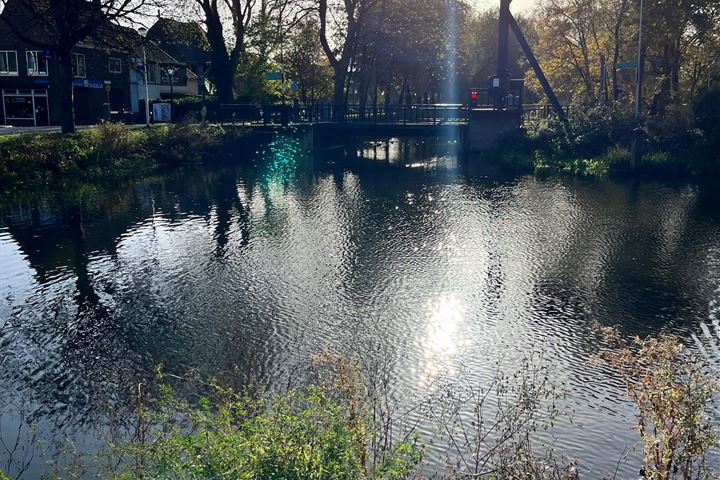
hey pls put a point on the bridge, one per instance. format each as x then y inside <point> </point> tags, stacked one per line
<point>442,120</point>
<point>487,114</point>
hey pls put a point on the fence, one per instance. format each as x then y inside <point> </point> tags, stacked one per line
<point>428,114</point>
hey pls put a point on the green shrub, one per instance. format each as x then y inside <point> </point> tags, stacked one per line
<point>113,140</point>
<point>706,110</point>
<point>296,436</point>
<point>590,130</point>
<point>185,142</point>
<point>304,434</point>
<point>112,150</point>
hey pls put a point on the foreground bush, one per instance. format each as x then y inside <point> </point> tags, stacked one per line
<point>342,427</point>
<point>112,151</point>
<point>301,435</point>
<point>672,390</point>
<point>313,433</point>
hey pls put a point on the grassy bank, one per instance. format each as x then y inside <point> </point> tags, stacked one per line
<point>683,141</point>
<point>114,151</point>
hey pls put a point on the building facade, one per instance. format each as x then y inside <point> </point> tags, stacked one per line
<point>107,83</point>
<point>30,88</point>
<point>167,77</point>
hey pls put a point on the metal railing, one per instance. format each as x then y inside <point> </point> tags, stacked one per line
<point>535,113</point>
<point>426,114</point>
<point>432,114</point>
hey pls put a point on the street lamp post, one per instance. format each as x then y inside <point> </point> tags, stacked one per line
<point>142,31</point>
<point>171,72</point>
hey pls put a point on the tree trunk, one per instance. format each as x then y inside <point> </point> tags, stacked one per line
<point>67,104</point>
<point>616,58</point>
<point>223,67</point>
<point>224,76</point>
<point>339,94</point>
<point>675,62</point>
<point>362,101</point>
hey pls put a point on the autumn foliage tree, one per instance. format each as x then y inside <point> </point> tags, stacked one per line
<point>671,388</point>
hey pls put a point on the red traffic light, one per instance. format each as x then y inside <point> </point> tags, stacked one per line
<point>474,96</point>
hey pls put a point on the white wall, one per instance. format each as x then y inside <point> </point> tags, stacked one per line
<point>137,89</point>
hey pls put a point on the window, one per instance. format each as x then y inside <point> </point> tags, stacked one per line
<point>36,63</point>
<point>78,65</point>
<point>115,65</point>
<point>152,73</point>
<point>164,75</point>
<point>25,107</point>
<point>8,62</point>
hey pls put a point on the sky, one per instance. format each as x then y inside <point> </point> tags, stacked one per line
<point>516,6</point>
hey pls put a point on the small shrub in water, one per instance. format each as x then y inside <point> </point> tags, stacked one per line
<point>671,390</point>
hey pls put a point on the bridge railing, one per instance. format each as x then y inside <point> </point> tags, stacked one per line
<point>429,114</point>
<point>434,114</point>
<point>535,113</point>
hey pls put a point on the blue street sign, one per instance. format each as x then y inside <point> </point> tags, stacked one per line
<point>79,82</point>
<point>273,76</point>
<point>294,87</point>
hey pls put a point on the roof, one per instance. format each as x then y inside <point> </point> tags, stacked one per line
<point>185,41</point>
<point>156,54</point>
<point>108,38</point>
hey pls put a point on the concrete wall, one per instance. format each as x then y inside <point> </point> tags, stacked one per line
<point>486,126</point>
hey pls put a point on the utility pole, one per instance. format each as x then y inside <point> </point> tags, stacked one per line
<point>143,33</point>
<point>639,69</point>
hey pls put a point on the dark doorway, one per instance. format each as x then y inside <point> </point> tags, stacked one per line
<point>82,106</point>
<point>41,112</point>
<point>117,100</point>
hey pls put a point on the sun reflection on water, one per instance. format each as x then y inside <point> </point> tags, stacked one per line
<point>442,343</point>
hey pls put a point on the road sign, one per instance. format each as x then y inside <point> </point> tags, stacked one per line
<point>626,66</point>
<point>294,87</point>
<point>85,83</point>
<point>274,76</point>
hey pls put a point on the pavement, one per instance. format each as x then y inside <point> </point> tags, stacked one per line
<point>10,130</point>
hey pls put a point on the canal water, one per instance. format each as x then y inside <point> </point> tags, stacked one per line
<point>393,249</point>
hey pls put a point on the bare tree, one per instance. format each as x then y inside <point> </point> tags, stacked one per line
<point>343,23</point>
<point>226,40</point>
